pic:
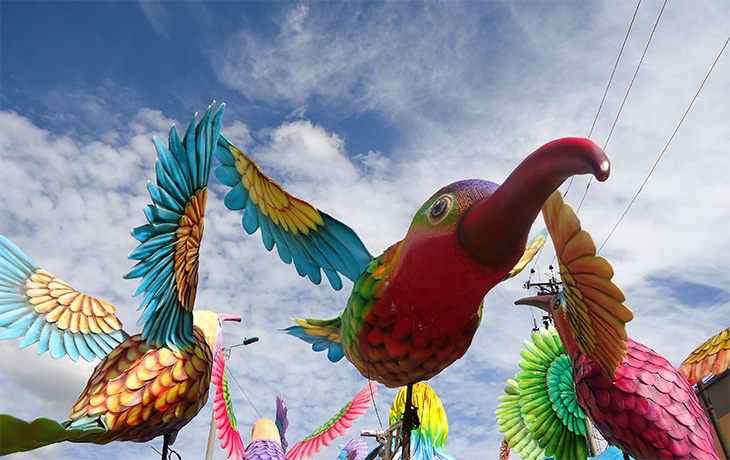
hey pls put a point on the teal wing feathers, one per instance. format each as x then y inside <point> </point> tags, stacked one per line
<point>302,234</point>
<point>336,426</point>
<point>40,308</point>
<point>169,244</point>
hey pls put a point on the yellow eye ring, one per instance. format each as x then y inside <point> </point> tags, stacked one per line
<point>440,209</point>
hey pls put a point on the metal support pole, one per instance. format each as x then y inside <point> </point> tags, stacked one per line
<point>710,409</point>
<point>211,437</point>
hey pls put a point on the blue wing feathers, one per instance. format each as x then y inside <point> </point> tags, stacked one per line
<point>333,247</point>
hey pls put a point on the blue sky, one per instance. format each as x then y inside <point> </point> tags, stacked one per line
<point>364,109</point>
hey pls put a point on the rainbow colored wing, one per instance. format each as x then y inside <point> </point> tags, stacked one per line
<point>169,244</point>
<point>533,246</point>
<point>540,414</point>
<point>223,410</point>
<point>595,308</point>
<point>41,308</point>
<point>336,426</point>
<point>712,356</point>
<point>302,234</point>
<point>428,440</point>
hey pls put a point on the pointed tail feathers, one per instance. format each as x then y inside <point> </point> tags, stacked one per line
<point>323,334</point>
<point>21,436</point>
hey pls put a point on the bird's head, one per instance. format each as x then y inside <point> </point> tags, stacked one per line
<point>556,307</point>
<point>212,326</point>
<point>468,236</point>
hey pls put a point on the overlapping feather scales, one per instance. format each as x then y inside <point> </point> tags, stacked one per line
<point>138,392</point>
<point>539,414</point>
<point>594,304</point>
<point>39,307</point>
<point>169,244</point>
<point>712,356</point>
<point>649,410</point>
<point>302,234</point>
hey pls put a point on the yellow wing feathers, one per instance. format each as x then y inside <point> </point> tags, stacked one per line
<point>68,308</point>
<point>595,308</point>
<point>291,213</point>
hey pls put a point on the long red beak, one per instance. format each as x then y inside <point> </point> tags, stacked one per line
<point>494,231</point>
<point>540,301</point>
<point>227,317</point>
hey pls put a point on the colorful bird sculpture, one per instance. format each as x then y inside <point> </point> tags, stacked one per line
<point>539,414</point>
<point>149,384</point>
<point>414,309</point>
<point>636,399</point>
<point>355,449</point>
<point>268,438</point>
<point>429,439</point>
<point>713,356</point>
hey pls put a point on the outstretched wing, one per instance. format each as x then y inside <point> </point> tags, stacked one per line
<point>712,356</point>
<point>223,410</point>
<point>302,234</point>
<point>533,246</point>
<point>41,308</point>
<point>282,421</point>
<point>337,426</point>
<point>169,244</point>
<point>594,304</point>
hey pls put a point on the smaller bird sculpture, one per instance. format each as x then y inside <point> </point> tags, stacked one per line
<point>539,414</point>
<point>634,397</point>
<point>150,384</point>
<point>268,437</point>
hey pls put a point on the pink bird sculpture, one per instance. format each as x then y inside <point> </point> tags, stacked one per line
<point>636,399</point>
<point>150,384</point>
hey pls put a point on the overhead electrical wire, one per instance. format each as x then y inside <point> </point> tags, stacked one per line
<point>667,144</point>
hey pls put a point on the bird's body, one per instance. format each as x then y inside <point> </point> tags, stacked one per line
<point>413,310</point>
<point>635,397</point>
<point>150,384</point>
<point>139,392</point>
<point>413,332</point>
<point>648,410</point>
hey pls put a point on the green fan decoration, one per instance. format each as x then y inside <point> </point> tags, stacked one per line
<point>539,413</point>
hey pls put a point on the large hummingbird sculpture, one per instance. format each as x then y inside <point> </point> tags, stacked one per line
<point>414,309</point>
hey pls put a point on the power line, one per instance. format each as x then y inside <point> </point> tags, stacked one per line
<point>610,79</point>
<point>626,96</point>
<point>667,145</point>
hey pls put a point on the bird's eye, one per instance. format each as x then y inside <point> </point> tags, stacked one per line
<point>557,303</point>
<point>439,209</point>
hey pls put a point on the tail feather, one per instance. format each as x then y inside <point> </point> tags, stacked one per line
<point>323,334</point>
<point>21,436</point>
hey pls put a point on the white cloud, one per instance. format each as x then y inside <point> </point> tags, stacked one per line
<point>471,95</point>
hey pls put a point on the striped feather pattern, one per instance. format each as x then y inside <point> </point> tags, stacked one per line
<point>41,308</point>
<point>311,239</point>
<point>169,244</point>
